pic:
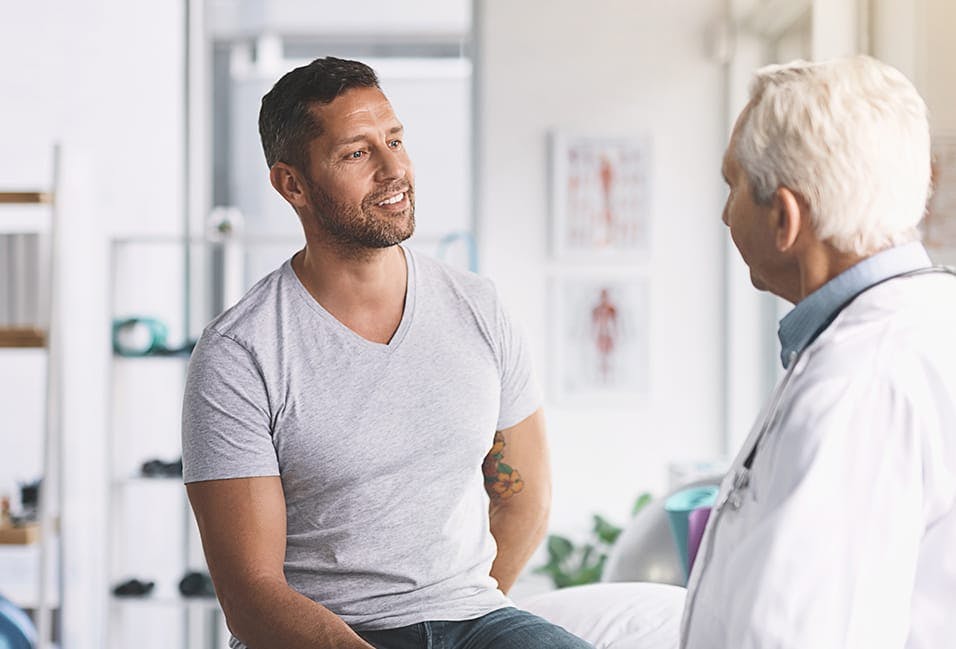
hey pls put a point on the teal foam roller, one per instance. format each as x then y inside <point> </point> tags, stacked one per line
<point>678,507</point>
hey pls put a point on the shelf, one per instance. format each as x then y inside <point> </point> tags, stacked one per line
<point>28,534</point>
<point>150,357</point>
<point>208,603</point>
<point>143,480</point>
<point>23,337</point>
<point>26,198</point>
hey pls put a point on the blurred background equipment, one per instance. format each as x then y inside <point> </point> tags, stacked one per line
<point>16,628</point>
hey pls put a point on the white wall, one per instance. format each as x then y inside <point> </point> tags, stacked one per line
<point>610,67</point>
<point>939,78</point>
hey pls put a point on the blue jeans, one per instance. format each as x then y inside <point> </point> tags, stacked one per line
<point>506,628</point>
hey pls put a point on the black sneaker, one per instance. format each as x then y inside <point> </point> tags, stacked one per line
<point>196,584</point>
<point>133,588</point>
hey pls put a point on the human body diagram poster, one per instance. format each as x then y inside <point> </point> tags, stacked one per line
<point>601,337</point>
<point>600,196</point>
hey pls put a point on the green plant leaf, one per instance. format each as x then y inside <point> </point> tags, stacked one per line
<point>562,580</point>
<point>591,574</point>
<point>606,531</point>
<point>550,569</point>
<point>642,501</point>
<point>599,568</point>
<point>571,565</point>
<point>559,548</point>
<point>587,553</point>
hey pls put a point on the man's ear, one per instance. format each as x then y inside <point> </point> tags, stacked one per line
<point>287,181</point>
<point>790,216</point>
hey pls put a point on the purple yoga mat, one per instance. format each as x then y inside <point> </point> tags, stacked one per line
<point>696,524</point>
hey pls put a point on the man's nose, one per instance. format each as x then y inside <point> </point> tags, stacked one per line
<point>393,166</point>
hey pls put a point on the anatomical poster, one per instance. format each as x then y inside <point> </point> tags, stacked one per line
<point>600,197</point>
<point>600,336</point>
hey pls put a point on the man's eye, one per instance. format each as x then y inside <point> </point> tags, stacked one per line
<point>395,144</point>
<point>356,155</point>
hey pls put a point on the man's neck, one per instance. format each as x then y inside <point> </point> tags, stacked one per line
<point>820,264</point>
<point>365,292</point>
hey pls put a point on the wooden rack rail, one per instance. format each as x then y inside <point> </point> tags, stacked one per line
<point>25,198</point>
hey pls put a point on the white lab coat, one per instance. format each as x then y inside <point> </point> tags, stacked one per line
<point>846,534</point>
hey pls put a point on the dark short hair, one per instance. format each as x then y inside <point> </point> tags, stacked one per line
<point>286,123</point>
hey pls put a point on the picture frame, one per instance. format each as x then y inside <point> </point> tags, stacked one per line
<point>600,197</point>
<point>600,337</point>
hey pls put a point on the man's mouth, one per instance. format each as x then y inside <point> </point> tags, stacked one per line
<point>391,200</point>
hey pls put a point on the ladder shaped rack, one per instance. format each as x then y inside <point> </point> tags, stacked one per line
<point>33,334</point>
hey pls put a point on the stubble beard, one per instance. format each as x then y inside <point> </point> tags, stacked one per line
<point>360,228</point>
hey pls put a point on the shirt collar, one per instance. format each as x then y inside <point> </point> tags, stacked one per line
<point>798,327</point>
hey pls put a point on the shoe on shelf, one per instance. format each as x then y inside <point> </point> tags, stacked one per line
<point>196,584</point>
<point>160,469</point>
<point>133,588</point>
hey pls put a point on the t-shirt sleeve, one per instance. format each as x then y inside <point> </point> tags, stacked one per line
<point>226,425</point>
<point>520,393</point>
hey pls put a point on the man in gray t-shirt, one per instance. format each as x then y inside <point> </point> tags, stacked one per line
<point>363,444</point>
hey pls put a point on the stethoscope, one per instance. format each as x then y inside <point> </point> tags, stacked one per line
<point>741,478</point>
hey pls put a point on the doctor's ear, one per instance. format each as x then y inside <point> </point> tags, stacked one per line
<point>790,214</point>
<point>289,183</point>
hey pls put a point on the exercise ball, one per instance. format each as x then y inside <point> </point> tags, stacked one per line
<point>645,550</point>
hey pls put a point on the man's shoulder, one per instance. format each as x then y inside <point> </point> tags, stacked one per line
<point>450,279</point>
<point>255,313</point>
<point>900,317</point>
<point>896,336</point>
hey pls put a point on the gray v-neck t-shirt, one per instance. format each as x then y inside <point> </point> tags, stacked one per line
<point>379,446</point>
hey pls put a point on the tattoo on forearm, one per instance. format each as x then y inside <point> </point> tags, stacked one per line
<point>501,480</point>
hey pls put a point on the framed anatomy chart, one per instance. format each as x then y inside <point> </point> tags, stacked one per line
<point>599,348</point>
<point>600,199</point>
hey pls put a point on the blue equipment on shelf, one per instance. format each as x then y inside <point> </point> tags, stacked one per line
<point>16,628</point>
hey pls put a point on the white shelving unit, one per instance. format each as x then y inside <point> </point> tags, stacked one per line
<point>152,534</point>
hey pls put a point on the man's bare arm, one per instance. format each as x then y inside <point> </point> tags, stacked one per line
<point>242,523</point>
<point>518,480</point>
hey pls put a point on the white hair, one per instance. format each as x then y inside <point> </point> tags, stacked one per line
<point>851,137</point>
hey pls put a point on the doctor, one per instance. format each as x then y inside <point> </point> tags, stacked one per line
<point>836,526</point>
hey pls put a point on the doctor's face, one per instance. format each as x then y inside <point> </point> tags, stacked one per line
<point>750,223</point>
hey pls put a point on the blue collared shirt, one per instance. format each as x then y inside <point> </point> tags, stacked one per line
<point>810,314</point>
